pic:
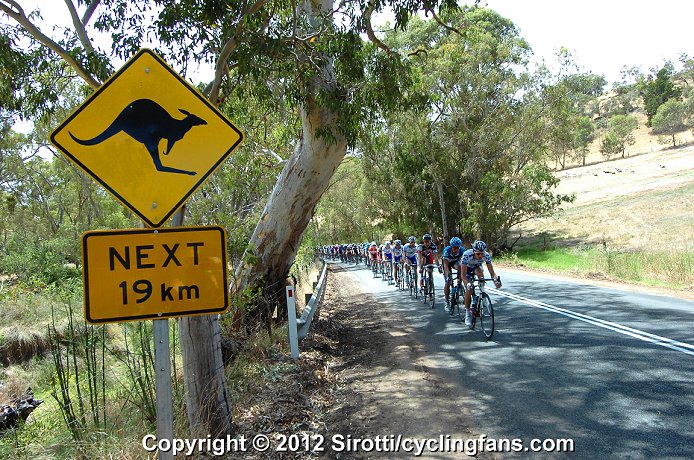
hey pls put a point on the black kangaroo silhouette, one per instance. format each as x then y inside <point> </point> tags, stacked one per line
<point>147,122</point>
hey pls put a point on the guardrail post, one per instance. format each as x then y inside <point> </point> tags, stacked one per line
<point>291,324</point>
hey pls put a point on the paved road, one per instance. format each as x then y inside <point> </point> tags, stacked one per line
<point>611,369</point>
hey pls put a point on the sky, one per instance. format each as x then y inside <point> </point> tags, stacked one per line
<point>605,35</point>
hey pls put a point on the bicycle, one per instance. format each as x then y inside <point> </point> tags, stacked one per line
<point>456,289</point>
<point>384,267</point>
<point>482,308</point>
<point>412,280</point>
<point>375,263</point>
<point>400,276</point>
<point>428,284</point>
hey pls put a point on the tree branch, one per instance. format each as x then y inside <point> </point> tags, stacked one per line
<point>79,27</point>
<point>229,48</point>
<point>90,10</point>
<point>370,31</point>
<point>441,23</point>
<point>15,11</point>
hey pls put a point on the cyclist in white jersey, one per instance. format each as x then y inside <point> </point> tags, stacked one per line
<point>410,251</point>
<point>472,261</point>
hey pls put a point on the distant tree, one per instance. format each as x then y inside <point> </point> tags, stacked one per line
<point>655,91</point>
<point>669,120</point>
<point>619,135</point>
<point>623,102</point>
<point>685,77</point>
<point>583,135</point>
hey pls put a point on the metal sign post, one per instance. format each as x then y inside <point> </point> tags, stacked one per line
<point>162,382</point>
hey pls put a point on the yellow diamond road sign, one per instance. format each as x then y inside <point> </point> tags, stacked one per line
<point>136,274</point>
<point>149,137</point>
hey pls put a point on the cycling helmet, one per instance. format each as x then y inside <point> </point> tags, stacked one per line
<point>398,242</point>
<point>456,242</point>
<point>412,239</point>
<point>479,246</point>
<point>427,237</point>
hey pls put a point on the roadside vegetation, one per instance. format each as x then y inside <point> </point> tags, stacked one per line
<point>425,153</point>
<point>673,270</point>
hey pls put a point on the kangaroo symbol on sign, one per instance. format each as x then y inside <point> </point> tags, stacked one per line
<point>147,122</point>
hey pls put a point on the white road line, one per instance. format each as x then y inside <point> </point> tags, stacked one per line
<point>631,332</point>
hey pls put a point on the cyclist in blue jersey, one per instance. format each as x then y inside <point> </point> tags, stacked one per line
<point>451,256</point>
<point>426,253</point>
<point>472,260</point>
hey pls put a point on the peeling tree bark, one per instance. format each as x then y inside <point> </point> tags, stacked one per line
<point>293,201</point>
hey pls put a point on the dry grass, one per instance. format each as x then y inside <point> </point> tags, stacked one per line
<point>638,204</point>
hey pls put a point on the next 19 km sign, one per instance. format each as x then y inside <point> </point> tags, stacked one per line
<point>131,275</point>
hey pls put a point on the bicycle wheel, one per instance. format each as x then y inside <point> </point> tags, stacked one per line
<point>431,289</point>
<point>473,307</point>
<point>455,299</point>
<point>461,310</point>
<point>486,312</point>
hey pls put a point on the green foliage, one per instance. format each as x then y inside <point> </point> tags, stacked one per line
<point>624,102</point>
<point>619,135</point>
<point>584,134</point>
<point>472,154</point>
<point>670,119</point>
<point>655,91</point>
<point>670,269</point>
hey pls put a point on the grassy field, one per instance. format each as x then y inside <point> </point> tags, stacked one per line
<point>633,220</point>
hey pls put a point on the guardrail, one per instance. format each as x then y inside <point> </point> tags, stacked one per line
<point>298,327</point>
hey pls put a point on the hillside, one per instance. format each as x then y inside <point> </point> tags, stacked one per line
<point>633,203</point>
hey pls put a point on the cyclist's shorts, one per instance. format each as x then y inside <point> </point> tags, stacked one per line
<point>388,255</point>
<point>397,259</point>
<point>470,273</point>
<point>429,259</point>
<point>412,259</point>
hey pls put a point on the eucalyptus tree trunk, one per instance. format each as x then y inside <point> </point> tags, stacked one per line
<point>305,177</point>
<point>292,203</point>
<point>275,242</point>
<point>206,394</point>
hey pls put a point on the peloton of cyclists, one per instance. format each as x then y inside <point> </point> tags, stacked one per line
<point>472,260</point>
<point>426,255</point>
<point>451,256</point>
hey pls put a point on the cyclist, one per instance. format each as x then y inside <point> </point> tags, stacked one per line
<point>397,252</point>
<point>410,251</point>
<point>373,254</point>
<point>426,255</point>
<point>387,255</point>
<point>473,259</point>
<point>451,256</point>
